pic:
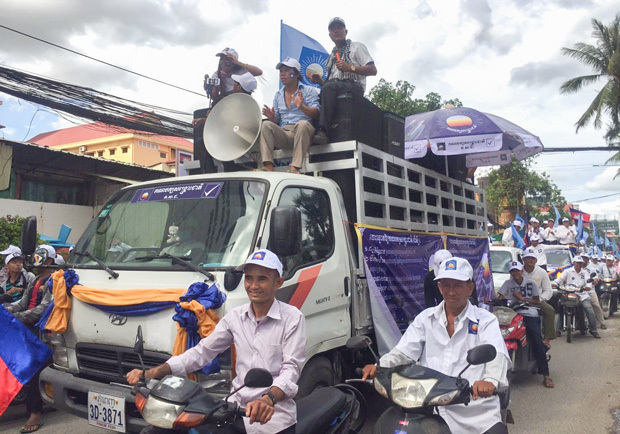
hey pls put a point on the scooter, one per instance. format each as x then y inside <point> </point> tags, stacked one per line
<point>514,334</point>
<point>416,391</point>
<point>179,405</point>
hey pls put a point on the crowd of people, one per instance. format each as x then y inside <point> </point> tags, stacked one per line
<point>300,114</point>
<point>547,233</point>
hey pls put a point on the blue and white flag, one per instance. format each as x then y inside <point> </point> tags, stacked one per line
<point>579,236</point>
<point>517,238</point>
<point>310,54</point>
<point>598,240</point>
<point>607,242</point>
<point>558,217</point>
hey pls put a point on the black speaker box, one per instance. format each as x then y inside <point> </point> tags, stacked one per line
<point>394,134</point>
<point>356,118</point>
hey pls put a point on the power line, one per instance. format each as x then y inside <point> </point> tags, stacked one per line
<point>598,197</point>
<point>101,61</point>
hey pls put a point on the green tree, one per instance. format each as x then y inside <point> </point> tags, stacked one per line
<point>399,99</point>
<point>604,59</point>
<point>517,187</point>
<point>10,231</point>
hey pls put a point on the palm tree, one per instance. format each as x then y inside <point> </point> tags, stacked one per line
<point>604,58</point>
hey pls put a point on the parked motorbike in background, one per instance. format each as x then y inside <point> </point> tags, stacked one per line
<point>607,291</point>
<point>179,405</point>
<point>416,391</point>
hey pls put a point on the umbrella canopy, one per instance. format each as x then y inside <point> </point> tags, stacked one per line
<point>488,140</point>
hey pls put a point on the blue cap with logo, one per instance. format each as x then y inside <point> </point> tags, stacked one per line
<point>264,258</point>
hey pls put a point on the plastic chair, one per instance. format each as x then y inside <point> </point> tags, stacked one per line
<point>61,241</point>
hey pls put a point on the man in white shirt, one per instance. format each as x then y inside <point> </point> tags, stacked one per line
<point>267,334</point>
<point>593,295</point>
<point>578,276</point>
<point>507,238</point>
<point>532,271</point>
<point>440,337</point>
<point>566,234</point>
<point>541,256</point>
<point>595,264</point>
<point>489,231</point>
<point>549,233</point>
<point>523,289</point>
<point>608,269</point>
<point>534,228</point>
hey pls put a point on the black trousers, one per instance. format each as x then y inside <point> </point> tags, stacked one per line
<point>329,96</point>
<point>32,397</point>
<point>498,428</point>
<point>534,338</point>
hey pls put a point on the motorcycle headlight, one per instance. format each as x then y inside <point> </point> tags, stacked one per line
<point>444,399</point>
<point>507,331</point>
<point>380,388</point>
<point>160,413</point>
<point>410,393</point>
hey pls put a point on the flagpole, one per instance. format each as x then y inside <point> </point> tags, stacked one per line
<point>281,22</point>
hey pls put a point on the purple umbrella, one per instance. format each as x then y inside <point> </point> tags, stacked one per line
<point>488,140</point>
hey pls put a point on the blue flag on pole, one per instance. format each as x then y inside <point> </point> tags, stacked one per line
<point>579,236</point>
<point>310,54</point>
<point>558,217</point>
<point>598,240</point>
<point>517,238</point>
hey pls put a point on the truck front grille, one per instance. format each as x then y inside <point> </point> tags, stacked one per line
<point>110,363</point>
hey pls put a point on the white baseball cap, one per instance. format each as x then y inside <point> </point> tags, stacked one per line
<point>290,62</point>
<point>264,258</point>
<point>534,220</point>
<point>43,252</point>
<point>11,249</point>
<point>440,256</point>
<point>226,51</point>
<point>529,253</point>
<point>517,223</point>
<point>585,255</point>
<point>578,259</point>
<point>336,20</point>
<point>12,256</point>
<point>455,268</point>
<point>534,237</point>
<point>609,257</point>
<point>489,224</point>
<point>515,265</point>
<point>595,256</point>
<point>246,81</point>
<point>565,219</point>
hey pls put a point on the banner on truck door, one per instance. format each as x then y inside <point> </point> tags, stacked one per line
<point>396,263</point>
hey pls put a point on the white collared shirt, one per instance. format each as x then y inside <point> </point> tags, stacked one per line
<point>276,343</point>
<point>427,340</point>
<point>570,276</point>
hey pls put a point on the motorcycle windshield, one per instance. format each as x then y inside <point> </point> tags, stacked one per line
<point>211,224</point>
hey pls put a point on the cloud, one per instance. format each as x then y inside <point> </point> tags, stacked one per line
<point>423,10</point>
<point>372,33</point>
<point>604,182</point>
<point>546,72</point>
<point>488,35</point>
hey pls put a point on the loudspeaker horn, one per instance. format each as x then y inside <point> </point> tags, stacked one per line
<point>232,128</point>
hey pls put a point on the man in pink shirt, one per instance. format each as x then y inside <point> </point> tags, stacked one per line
<point>267,334</point>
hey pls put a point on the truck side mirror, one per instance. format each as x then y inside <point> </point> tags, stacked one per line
<point>285,231</point>
<point>29,236</point>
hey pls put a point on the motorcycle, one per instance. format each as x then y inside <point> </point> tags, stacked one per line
<point>514,333</point>
<point>417,391</point>
<point>179,405</point>
<point>607,292</point>
<point>571,303</point>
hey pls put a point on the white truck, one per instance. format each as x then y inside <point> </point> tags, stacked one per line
<point>220,219</point>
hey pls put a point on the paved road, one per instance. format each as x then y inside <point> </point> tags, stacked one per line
<point>586,398</point>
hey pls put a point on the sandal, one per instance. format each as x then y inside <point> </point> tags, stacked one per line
<point>547,344</point>
<point>293,170</point>
<point>33,429</point>
<point>548,383</point>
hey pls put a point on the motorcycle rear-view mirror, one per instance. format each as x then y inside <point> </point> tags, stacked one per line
<point>138,346</point>
<point>258,377</point>
<point>481,354</point>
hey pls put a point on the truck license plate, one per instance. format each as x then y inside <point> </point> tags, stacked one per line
<point>106,411</point>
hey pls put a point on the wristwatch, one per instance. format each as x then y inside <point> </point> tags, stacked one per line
<point>352,68</point>
<point>271,396</point>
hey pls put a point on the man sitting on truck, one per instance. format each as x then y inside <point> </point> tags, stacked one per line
<point>267,334</point>
<point>348,66</point>
<point>440,337</point>
<point>289,123</point>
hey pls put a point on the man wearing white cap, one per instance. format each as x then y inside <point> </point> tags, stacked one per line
<point>595,265</point>
<point>507,238</point>
<point>535,229</point>
<point>228,65</point>
<point>289,124</point>
<point>541,256</point>
<point>608,270</point>
<point>578,276</point>
<point>440,337</point>
<point>549,233</point>
<point>593,295</point>
<point>523,289</point>
<point>244,83</point>
<point>566,233</point>
<point>267,333</point>
<point>489,230</point>
<point>532,271</point>
<point>13,278</point>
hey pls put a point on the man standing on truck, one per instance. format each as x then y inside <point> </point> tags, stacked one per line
<point>508,237</point>
<point>267,334</point>
<point>440,337</point>
<point>289,124</point>
<point>347,66</point>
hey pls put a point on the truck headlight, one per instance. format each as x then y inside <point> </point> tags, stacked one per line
<point>61,356</point>
<point>160,413</point>
<point>409,393</point>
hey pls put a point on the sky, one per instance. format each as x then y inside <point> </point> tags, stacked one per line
<point>497,56</point>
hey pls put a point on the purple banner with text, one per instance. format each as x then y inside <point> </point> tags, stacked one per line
<point>476,251</point>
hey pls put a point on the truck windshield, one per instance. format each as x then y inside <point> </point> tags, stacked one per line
<point>210,224</point>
